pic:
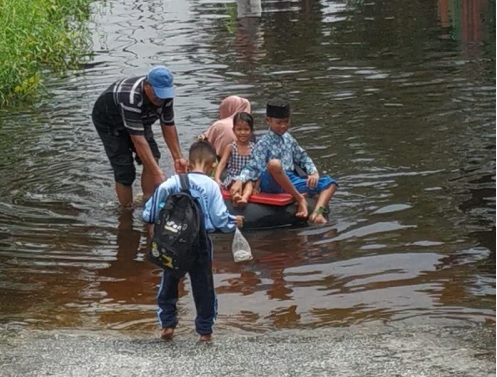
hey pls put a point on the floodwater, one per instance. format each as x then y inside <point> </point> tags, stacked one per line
<point>395,99</point>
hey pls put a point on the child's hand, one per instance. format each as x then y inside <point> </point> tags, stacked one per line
<point>239,221</point>
<point>312,180</point>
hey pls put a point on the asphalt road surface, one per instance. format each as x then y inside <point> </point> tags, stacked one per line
<point>378,350</point>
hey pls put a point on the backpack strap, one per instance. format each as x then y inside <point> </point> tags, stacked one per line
<point>185,187</point>
<point>185,182</point>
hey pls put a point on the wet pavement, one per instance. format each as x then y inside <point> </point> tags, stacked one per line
<point>374,350</point>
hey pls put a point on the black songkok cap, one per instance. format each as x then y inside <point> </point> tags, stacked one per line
<point>278,108</point>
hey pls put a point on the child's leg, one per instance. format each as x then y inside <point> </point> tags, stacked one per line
<point>235,197</point>
<point>203,291</point>
<point>275,169</point>
<point>248,188</point>
<point>322,201</point>
<point>167,297</point>
<point>257,187</point>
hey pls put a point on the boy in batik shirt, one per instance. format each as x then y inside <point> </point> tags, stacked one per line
<point>274,159</point>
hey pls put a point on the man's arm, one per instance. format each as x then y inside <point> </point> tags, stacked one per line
<point>171,138</point>
<point>147,158</point>
<point>170,134</point>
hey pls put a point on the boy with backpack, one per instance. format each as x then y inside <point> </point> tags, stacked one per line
<point>181,213</point>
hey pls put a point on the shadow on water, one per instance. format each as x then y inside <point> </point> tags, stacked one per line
<point>395,99</point>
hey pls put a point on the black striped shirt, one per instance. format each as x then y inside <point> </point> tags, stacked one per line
<point>124,105</point>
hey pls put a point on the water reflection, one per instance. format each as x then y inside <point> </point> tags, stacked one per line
<point>248,37</point>
<point>387,98</point>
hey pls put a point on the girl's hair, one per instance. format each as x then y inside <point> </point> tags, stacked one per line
<point>244,117</point>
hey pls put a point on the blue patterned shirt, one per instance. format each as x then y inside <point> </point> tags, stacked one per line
<point>272,146</point>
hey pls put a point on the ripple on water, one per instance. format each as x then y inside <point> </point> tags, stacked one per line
<point>407,130</point>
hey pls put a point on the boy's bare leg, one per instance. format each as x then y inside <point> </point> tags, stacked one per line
<point>323,199</point>
<point>235,196</point>
<point>167,333</point>
<point>275,169</point>
<point>247,191</point>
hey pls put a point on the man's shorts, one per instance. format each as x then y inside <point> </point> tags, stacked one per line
<point>120,151</point>
<point>269,185</point>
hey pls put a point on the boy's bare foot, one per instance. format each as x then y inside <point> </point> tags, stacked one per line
<point>167,333</point>
<point>205,338</point>
<point>242,202</point>
<point>317,216</point>
<point>302,211</point>
<point>317,219</point>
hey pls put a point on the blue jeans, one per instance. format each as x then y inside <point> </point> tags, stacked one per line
<point>204,295</point>
<point>268,184</point>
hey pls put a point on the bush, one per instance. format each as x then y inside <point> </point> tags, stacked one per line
<point>37,35</point>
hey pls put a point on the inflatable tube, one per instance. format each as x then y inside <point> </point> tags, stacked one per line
<point>268,210</point>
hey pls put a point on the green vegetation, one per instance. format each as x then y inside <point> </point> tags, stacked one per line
<point>231,10</point>
<point>36,35</point>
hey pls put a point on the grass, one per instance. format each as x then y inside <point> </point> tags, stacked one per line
<point>36,35</point>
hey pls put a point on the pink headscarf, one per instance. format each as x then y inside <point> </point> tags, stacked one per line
<point>220,133</point>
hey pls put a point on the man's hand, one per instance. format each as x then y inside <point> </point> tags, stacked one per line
<point>180,165</point>
<point>236,188</point>
<point>312,180</point>
<point>170,135</point>
<point>158,178</point>
<point>239,221</point>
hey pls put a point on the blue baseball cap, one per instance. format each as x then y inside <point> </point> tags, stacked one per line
<point>161,80</point>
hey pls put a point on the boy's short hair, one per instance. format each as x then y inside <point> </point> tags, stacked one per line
<point>201,151</point>
<point>278,108</point>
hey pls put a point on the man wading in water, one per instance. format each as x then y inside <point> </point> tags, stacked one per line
<point>123,116</point>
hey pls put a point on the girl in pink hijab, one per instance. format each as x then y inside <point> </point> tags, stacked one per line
<point>220,133</point>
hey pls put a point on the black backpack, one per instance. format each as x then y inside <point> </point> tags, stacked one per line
<point>177,232</point>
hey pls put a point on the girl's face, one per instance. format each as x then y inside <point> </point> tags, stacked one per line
<point>242,131</point>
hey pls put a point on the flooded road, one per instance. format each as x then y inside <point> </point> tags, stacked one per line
<point>394,99</point>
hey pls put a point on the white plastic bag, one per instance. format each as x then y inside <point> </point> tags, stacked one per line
<point>241,248</point>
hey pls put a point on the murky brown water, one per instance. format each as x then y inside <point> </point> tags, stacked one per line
<point>395,99</point>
